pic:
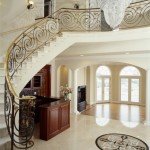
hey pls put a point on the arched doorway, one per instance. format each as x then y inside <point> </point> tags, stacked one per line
<point>64,78</point>
<point>130,85</point>
<point>103,76</point>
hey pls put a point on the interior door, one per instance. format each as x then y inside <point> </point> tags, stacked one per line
<point>130,89</point>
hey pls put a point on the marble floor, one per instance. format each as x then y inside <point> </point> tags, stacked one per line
<point>122,112</point>
<point>85,129</point>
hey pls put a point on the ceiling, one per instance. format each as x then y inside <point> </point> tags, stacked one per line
<point>108,48</point>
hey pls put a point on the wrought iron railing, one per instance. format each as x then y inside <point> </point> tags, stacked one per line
<point>79,20</point>
<point>35,38</point>
<point>22,110</point>
<point>137,15</point>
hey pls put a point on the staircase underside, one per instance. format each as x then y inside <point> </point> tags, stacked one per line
<point>42,57</point>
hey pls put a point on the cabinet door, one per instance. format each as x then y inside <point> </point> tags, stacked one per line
<point>54,121</point>
<point>65,116</point>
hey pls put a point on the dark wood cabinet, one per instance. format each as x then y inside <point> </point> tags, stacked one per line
<point>65,119</point>
<point>53,121</point>
<point>54,118</point>
<point>40,84</point>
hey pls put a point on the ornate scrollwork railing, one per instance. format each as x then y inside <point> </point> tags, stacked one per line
<point>79,20</point>
<point>21,133</point>
<point>19,112</point>
<point>34,39</point>
<point>137,15</point>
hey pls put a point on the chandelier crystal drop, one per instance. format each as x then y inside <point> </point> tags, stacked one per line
<point>114,10</point>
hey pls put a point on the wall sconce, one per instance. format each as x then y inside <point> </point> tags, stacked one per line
<point>76,6</point>
<point>30,4</point>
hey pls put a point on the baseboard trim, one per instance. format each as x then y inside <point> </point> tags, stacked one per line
<point>118,102</point>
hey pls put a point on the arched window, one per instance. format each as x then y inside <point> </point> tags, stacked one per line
<point>103,83</point>
<point>130,71</point>
<point>130,84</point>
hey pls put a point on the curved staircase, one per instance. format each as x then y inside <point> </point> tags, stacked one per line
<point>34,48</point>
<point>4,137</point>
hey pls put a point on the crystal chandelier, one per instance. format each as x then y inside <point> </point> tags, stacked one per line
<point>114,10</point>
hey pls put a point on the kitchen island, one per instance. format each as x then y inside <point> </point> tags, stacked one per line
<point>54,118</point>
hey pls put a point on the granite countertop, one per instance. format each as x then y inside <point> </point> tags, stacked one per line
<point>51,104</point>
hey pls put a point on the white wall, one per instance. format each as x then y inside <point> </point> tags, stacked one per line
<point>14,14</point>
<point>15,17</point>
<point>70,3</point>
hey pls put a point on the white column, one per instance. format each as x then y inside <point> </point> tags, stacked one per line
<point>91,85</point>
<point>58,82</point>
<point>74,94</point>
<point>88,85</point>
<point>148,97</point>
<point>53,78</point>
<point>70,81</point>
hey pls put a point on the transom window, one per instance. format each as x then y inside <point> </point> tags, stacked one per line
<point>130,71</point>
<point>103,71</point>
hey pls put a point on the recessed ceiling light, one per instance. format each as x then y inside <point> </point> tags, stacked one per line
<point>81,55</point>
<point>127,53</point>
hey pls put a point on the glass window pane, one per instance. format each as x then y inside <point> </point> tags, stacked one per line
<point>134,90</point>
<point>106,88</point>
<point>130,71</point>
<point>103,71</point>
<point>124,89</point>
<point>99,89</point>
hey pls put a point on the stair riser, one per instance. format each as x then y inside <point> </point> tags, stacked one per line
<point>5,146</point>
<point>1,88</point>
<point>2,119</point>
<point>1,107</point>
<point>2,72</point>
<point>1,101</point>
<point>2,80</point>
<point>1,98</point>
<point>3,132</point>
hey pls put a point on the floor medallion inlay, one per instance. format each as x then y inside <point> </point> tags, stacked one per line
<point>116,141</point>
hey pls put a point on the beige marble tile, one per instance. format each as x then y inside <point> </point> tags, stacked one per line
<point>85,129</point>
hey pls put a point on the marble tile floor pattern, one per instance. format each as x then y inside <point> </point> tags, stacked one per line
<point>85,129</point>
<point>122,112</point>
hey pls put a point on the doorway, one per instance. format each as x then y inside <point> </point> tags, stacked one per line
<point>130,85</point>
<point>103,77</point>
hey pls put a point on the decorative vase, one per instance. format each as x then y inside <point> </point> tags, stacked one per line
<point>65,96</point>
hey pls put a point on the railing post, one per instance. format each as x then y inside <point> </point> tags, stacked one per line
<point>12,125</point>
